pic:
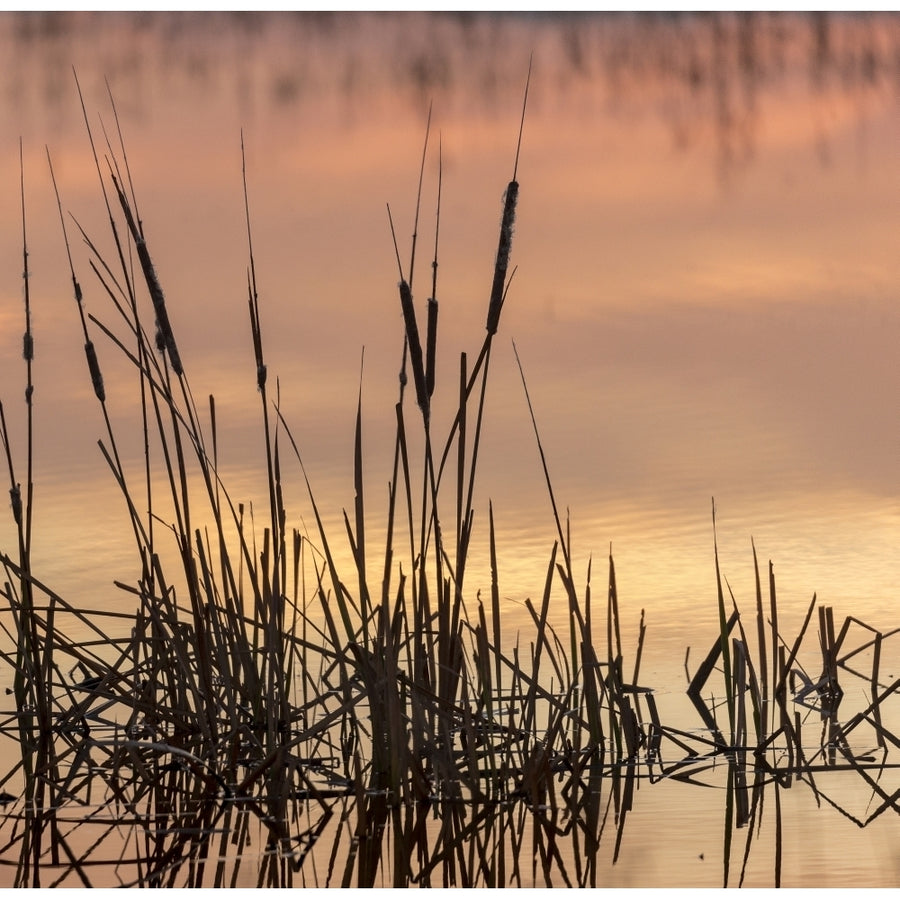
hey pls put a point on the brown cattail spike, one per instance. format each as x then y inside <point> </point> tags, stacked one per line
<point>94,367</point>
<point>431,344</point>
<point>15,496</point>
<point>415,348</point>
<point>503,249</point>
<point>159,306</point>
<point>164,335</point>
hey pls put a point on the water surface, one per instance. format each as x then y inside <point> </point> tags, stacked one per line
<point>704,303</point>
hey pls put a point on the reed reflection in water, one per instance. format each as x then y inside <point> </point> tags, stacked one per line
<point>709,313</point>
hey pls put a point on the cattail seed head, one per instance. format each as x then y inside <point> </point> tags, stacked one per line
<point>503,249</point>
<point>15,496</point>
<point>94,367</point>
<point>431,344</point>
<point>415,349</point>
<point>261,374</point>
<point>28,346</point>
<point>167,342</point>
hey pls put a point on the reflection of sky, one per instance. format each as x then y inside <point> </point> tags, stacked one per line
<point>704,305</point>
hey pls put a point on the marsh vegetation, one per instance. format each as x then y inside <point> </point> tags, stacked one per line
<point>267,708</point>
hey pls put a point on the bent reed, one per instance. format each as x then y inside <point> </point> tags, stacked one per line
<point>254,710</point>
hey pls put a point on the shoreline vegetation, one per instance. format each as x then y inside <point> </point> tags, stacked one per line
<point>264,714</point>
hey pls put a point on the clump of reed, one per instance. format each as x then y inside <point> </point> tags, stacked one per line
<point>252,682</point>
<point>257,704</point>
<point>768,696</point>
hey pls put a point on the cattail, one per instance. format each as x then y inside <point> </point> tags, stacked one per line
<point>15,495</point>
<point>164,336</point>
<point>503,249</point>
<point>96,376</point>
<point>415,349</point>
<point>261,371</point>
<point>27,346</point>
<point>431,344</point>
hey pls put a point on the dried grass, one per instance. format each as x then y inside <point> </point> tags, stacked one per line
<point>254,707</point>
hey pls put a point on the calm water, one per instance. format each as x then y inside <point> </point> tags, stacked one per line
<point>704,304</point>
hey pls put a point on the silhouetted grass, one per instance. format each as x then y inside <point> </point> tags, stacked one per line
<point>266,706</point>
